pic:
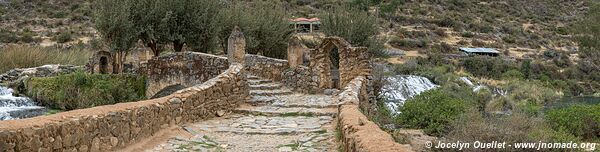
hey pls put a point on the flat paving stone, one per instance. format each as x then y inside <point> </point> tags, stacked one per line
<point>276,120</point>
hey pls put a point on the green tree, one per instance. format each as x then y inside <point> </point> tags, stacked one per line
<point>113,22</point>
<point>355,25</point>
<point>264,24</point>
<point>190,22</point>
<point>147,16</point>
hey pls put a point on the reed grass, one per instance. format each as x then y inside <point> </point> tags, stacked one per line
<point>32,56</point>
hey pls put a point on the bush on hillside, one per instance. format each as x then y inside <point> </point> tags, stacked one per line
<point>490,67</point>
<point>432,111</point>
<point>82,90</point>
<point>579,120</point>
<point>7,36</point>
<point>63,37</point>
<point>515,128</point>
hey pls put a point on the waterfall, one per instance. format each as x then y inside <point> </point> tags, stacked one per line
<point>12,107</point>
<point>476,88</point>
<point>400,88</point>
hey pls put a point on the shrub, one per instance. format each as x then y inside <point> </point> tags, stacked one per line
<point>468,34</point>
<point>27,56</point>
<point>509,39</point>
<point>513,74</point>
<point>531,91</point>
<point>517,127</point>
<point>432,111</point>
<point>63,37</point>
<point>82,90</point>
<point>579,120</point>
<point>7,36</point>
<point>490,67</point>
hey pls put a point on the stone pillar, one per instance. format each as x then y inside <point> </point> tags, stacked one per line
<point>236,46</point>
<point>295,52</point>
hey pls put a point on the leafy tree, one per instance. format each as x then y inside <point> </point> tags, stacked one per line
<point>190,22</point>
<point>113,21</point>
<point>264,24</point>
<point>147,16</point>
<point>355,25</point>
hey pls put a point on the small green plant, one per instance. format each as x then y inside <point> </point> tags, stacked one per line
<point>296,114</point>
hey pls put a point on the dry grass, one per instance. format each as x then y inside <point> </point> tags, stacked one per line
<point>30,56</point>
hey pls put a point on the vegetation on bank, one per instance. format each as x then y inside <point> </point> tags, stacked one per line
<point>29,56</point>
<point>520,112</point>
<point>82,90</point>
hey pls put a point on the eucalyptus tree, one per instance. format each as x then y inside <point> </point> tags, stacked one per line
<point>114,23</point>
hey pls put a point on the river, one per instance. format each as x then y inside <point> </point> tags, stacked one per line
<point>12,107</point>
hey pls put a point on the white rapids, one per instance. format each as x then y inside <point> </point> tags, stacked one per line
<point>12,107</point>
<point>400,88</point>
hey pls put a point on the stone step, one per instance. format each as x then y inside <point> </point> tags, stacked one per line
<point>266,86</point>
<point>260,81</point>
<point>263,99</point>
<point>270,92</point>
<point>284,111</point>
<point>283,104</point>
<point>251,77</point>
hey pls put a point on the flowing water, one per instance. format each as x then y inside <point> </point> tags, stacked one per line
<point>400,88</point>
<point>12,107</point>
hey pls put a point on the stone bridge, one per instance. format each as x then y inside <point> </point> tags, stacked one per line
<point>236,103</point>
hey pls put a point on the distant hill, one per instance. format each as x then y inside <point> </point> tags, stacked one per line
<point>521,26</point>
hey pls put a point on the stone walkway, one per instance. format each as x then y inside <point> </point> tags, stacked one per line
<point>275,119</point>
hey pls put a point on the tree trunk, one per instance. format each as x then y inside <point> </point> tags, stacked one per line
<point>119,62</point>
<point>177,46</point>
<point>152,45</point>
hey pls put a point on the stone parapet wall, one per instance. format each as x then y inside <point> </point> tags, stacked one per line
<point>265,67</point>
<point>358,134</point>
<point>301,79</point>
<point>185,69</point>
<point>111,127</point>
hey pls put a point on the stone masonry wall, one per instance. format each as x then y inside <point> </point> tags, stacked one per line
<point>265,67</point>
<point>185,69</point>
<point>358,134</point>
<point>301,79</point>
<point>111,127</point>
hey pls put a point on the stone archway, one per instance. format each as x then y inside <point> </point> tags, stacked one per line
<point>353,61</point>
<point>101,62</point>
<point>103,69</point>
<point>326,62</point>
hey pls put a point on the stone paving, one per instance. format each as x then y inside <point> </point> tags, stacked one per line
<point>276,119</point>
